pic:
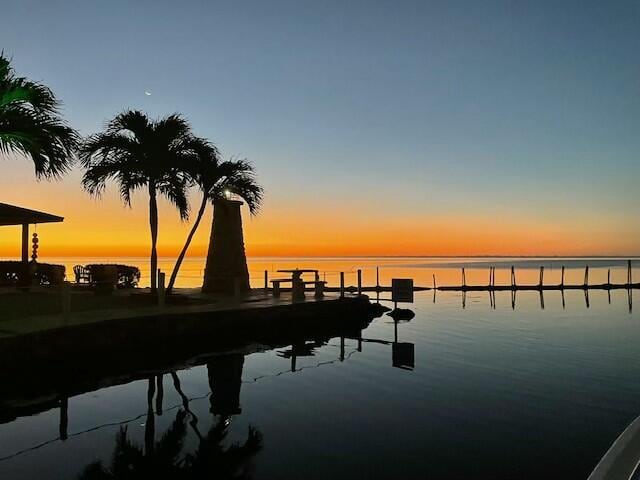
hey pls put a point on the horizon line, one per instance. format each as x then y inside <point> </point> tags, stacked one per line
<point>599,256</point>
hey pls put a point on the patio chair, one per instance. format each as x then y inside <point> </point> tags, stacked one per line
<point>82,274</point>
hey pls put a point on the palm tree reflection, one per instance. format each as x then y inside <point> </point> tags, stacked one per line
<point>165,458</point>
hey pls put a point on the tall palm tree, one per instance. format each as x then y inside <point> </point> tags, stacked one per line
<point>30,124</point>
<point>137,152</point>
<point>216,179</point>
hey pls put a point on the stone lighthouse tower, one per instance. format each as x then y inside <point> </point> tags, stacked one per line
<point>226,267</point>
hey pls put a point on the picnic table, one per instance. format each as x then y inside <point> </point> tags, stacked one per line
<point>297,283</point>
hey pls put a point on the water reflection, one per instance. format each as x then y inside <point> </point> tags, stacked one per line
<point>245,406</point>
<point>166,457</point>
<point>541,294</point>
<point>168,453</point>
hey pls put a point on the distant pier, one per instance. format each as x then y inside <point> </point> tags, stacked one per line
<point>491,286</point>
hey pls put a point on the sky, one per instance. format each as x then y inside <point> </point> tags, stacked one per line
<point>376,127</point>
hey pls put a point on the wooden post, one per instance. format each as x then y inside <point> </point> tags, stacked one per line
<point>341,284</point>
<point>266,281</point>
<point>294,356</point>
<point>586,276</point>
<point>490,275</point>
<point>64,418</point>
<point>513,278</point>
<point>609,277</point>
<point>359,282</point>
<point>377,278</point>
<point>541,276</point>
<point>434,281</point>
<point>464,278</point>
<point>161,290</point>
<point>562,278</point>
<point>25,243</point>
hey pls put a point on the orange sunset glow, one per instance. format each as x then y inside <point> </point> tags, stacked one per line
<point>310,227</point>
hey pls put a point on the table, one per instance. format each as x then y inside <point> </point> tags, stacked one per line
<point>297,285</point>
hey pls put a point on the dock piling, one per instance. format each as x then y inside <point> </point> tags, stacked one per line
<point>377,278</point>
<point>341,284</point>
<point>513,277</point>
<point>562,278</point>
<point>586,276</point>
<point>541,278</point>
<point>161,288</point>
<point>266,281</point>
<point>63,424</point>
<point>464,279</point>
<point>359,282</point>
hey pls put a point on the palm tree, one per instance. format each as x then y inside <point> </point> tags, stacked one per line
<point>137,152</point>
<point>215,180</point>
<point>30,124</point>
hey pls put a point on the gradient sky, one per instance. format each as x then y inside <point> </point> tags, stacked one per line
<point>376,127</point>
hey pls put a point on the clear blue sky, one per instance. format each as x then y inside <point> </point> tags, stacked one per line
<point>523,109</point>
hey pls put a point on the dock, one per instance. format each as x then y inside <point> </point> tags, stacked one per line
<point>491,286</point>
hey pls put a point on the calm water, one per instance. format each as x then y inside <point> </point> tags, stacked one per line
<point>476,392</point>
<point>446,270</point>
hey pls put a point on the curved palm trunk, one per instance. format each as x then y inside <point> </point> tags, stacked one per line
<point>153,224</point>
<point>180,259</point>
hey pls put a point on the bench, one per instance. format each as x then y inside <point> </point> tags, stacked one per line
<point>318,286</point>
<point>276,285</point>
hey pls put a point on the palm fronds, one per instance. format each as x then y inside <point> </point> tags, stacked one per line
<point>30,124</point>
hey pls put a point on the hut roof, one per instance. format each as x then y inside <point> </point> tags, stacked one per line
<point>12,215</point>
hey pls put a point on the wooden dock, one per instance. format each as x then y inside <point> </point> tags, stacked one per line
<point>491,286</point>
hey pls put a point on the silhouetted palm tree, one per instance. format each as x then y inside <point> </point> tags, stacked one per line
<point>30,124</point>
<point>216,179</point>
<point>137,152</point>
<point>166,459</point>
